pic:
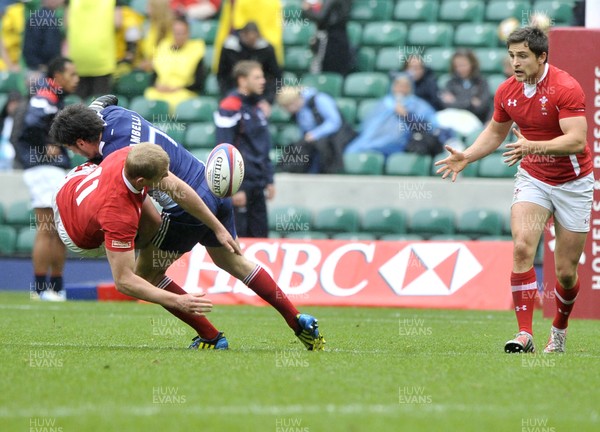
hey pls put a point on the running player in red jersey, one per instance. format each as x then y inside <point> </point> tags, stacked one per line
<point>554,179</point>
<point>98,209</point>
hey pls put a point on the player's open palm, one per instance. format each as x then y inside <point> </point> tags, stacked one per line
<point>194,304</point>
<point>453,164</point>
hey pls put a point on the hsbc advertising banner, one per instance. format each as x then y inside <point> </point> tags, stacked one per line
<point>569,49</point>
<point>450,275</point>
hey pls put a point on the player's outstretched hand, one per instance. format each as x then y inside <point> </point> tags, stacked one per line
<point>453,164</point>
<point>194,304</point>
<point>517,150</point>
<point>228,242</point>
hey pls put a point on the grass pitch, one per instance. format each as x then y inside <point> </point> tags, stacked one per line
<point>82,366</point>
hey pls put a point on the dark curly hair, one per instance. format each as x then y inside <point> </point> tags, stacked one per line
<point>76,122</point>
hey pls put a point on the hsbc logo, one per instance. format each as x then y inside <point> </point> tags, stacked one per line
<point>430,269</point>
<point>512,102</point>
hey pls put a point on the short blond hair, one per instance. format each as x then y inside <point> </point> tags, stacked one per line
<point>288,95</point>
<point>147,160</point>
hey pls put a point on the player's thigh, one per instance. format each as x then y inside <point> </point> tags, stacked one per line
<point>152,263</point>
<point>568,249</point>
<point>236,265</point>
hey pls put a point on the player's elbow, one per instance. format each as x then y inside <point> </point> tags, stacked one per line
<point>579,145</point>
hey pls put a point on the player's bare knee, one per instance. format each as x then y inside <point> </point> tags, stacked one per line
<point>566,277</point>
<point>523,252</point>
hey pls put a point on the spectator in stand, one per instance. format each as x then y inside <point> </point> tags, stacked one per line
<point>325,133</point>
<point>235,14</point>
<point>178,66</point>
<point>160,20</point>
<point>196,9</point>
<point>467,89</point>
<point>42,39</point>
<point>424,81</point>
<point>7,114</point>
<point>13,24</point>
<point>128,39</point>
<point>331,45</point>
<point>247,44</point>
<point>390,125</point>
<point>44,170</point>
<point>91,36</point>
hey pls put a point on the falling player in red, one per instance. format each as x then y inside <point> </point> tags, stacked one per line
<point>555,177</point>
<point>98,210</point>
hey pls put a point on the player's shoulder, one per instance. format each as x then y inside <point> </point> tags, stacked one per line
<point>508,84</point>
<point>232,102</point>
<point>561,79</point>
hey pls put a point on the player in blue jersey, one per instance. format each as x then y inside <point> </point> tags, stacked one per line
<point>96,131</point>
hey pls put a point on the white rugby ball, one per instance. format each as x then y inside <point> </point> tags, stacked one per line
<point>224,170</point>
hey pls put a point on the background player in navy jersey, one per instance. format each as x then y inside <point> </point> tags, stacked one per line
<point>104,127</point>
<point>554,179</point>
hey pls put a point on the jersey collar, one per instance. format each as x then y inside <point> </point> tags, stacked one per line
<point>529,90</point>
<point>129,185</point>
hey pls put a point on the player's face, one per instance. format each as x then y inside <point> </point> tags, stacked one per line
<point>86,149</point>
<point>526,66</point>
<point>68,79</point>
<point>255,82</point>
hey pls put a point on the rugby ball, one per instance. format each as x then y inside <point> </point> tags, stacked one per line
<point>224,170</point>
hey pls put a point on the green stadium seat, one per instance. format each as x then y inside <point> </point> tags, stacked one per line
<point>211,86</point>
<point>274,235</point>
<point>479,222</point>
<point>560,12</point>
<point>123,101</point>
<point>71,99</point>
<point>366,85</point>
<point>476,35</point>
<point>347,107</point>
<point>25,240</point>
<point>430,34</point>
<point>8,240</point>
<point>288,135</point>
<point>389,59</point>
<point>493,166</point>
<point>200,135</point>
<point>1,213</point>
<point>490,60</point>
<point>506,228</point>
<point>11,81</point>
<point>385,33</point>
<point>367,163</point>
<point>450,237</point>
<point>494,81</point>
<point>419,10</point>
<point>155,111</point>
<point>471,170</point>
<point>402,237</point>
<point>327,82</point>
<point>461,11</point>
<point>298,34</point>
<point>438,58</point>
<point>208,56</point>
<point>495,238</point>
<point>354,236</point>
<point>366,59</point>
<point>371,10</point>
<point>200,109</point>
<point>354,30</point>
<point>365,108</point>
<point>499,10</point>
<point>384,220</point>
<point>337,219</point>
<point>290,219</point>
<point>3,100</point>
<point>76,159</point>
<point>307,235</point>
<point>133,84</point>
<point>19,214</point>
<point>297,59</point>
<point>279,115</point>
<point>432,221</point>
<point>442,80</point>
<point>274,132</point>
<point>205,30</point>
<point>201,154</point>
<point>140,6</point>
<point>408,164</point>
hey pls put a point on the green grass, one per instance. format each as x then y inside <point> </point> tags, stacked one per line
<point>84,366</point>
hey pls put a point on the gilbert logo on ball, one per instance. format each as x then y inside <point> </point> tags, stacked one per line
<point>224,170</point>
